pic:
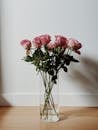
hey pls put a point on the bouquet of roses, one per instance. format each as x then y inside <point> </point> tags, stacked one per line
<point>49,57</point>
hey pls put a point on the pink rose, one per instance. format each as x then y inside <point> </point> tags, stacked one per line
<point>61,41</point>
<point>26,44</point>
<point>45,39</point>
<point>74,44</point>
<point>51,45</point>
<point>37,42</point>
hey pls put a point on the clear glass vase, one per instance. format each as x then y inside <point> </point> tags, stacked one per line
<point>49,97</point>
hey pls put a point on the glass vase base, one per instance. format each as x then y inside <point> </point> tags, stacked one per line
<point>51,118</point>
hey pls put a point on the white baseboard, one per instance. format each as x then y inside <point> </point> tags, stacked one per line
<point>32,99</point>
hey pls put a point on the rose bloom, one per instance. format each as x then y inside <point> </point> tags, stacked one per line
<point>51,45</point>
<point>61,41</point>
<point>26,44</point>
<point>45,39</point>
<point>37,42</point>
<point>74,44</point>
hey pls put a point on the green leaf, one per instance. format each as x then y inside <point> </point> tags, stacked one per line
<point>51,72</point>
<point>28,59</point>
<point>69,59</point>
<point>65,68</point>
<point>54,77</point>
<point>74,60</point>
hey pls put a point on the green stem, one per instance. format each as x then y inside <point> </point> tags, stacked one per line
<point>53,105</point>
<point>48,96</point>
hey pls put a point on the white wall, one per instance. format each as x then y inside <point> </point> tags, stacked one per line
<point>27,18</point>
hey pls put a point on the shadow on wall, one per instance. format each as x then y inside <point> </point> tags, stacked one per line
<point>3,101</point>
<point>87,75</point>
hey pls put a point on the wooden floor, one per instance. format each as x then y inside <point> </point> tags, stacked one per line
<point>27,118</point>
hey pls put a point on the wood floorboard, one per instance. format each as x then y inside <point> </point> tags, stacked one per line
<point>27,118</point>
